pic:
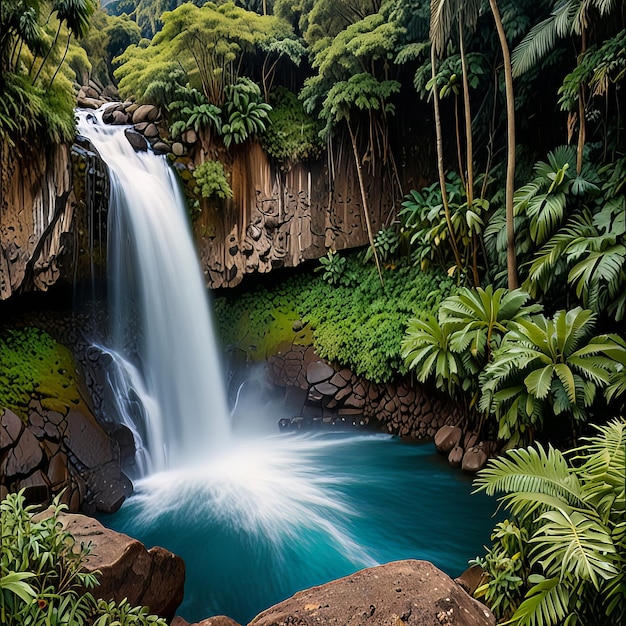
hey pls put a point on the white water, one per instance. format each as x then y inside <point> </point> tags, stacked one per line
<point>158,300</point>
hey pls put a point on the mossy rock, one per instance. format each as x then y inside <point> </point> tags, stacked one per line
<point>34,366</point>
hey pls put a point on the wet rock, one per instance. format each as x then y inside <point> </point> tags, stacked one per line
<point>447,437</point>
<point>318,372</point>
<point>456,456</point>
<point>402,593</point>
<point>136,140</point>
<point>474,459</point>
<point>87,440</point>
<point>160,147</point>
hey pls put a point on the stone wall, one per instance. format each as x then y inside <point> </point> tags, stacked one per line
<point>282,217</point>
<point>336,396</point>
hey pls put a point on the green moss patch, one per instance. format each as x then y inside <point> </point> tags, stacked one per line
<point>34,365</point>
<point>357,324</point>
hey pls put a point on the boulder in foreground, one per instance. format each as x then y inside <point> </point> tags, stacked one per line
<point>402,593</point>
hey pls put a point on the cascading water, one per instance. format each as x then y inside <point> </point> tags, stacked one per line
<point>157,296</point>
<point>256,519</point>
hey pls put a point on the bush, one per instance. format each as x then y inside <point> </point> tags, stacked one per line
<point>353,322</point>
<point>43,579</point>
<point>292,134</point>
<point>212,180</point>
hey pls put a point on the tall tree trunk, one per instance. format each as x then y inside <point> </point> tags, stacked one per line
<point>43,62</point>
<point>442,175</point>
<point>511,257</point>
<point>366,213</point>
<point>469,148</point>
<point>582,127</point>
<point>67,47</point>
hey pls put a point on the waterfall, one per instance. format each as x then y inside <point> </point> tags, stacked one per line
<point>159,310</point>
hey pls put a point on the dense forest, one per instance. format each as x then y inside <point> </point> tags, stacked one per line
<point>513,112</point>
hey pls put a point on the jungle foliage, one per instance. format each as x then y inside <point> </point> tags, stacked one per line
<point>559,558</point>
<point>352,320</point>
<point>43,579</point>
<point>39,59</point>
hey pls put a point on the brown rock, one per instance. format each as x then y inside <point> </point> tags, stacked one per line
<point>160,147</point>
<point>318,372</point>
<point>474,459</point>
<point>456,456</point>
<point>136,140</point>
<point>145,113</point>
<point>402,593</point>
<point>36,487</point>
<point>178,148</point>
<point>447,437</point>
<point>151,131</point>
<point>218,620</point>
<point>471,578</point>
<point>153,578</point>
<point>23,458</point>
<point>10,428</point>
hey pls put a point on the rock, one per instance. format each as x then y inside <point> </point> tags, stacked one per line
<point>218,620</point>
<point>326,389</point>
<point>154,578</point>
<point>11,427</point>
<point>447,437</point>
<point>88,103</point>
<point>160,147</point>
<point>474,459</point>
<point>145,113</point>
<point>118,118</point>
<point>318,372</point>
<point>151,132</point>
<point>87,441</point>
<point>456,456</point>
<point>471,578</point>
<point>190,137</point>
<point>23,458</point>
<point>402,593</point>
<point>136,140</point>
<point>178,148</point>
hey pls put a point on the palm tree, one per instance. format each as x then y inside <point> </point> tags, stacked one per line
<point>547,366</point>
<point>75,14</point>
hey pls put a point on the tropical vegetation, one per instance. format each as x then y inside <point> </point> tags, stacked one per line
<point>559,557</point>
<point>43,576</point>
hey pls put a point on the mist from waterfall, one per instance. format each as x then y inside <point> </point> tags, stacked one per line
<point>158,305</point>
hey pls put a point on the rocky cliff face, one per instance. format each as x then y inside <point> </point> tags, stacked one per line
<point>46,236</point>
<point>282,217</point>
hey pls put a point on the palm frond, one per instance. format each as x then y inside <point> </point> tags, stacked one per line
<point>531,469</point>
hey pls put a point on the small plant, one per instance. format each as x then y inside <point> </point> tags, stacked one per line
<point>246,113</point>
<point>212,180</point>
<point>334,268</point>
<point>43,578</point>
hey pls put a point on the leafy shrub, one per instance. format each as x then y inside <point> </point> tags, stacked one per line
<point>245,112</point>
<point>42,579</point>
<point>356,324</point>
<point>212,180</point>
<point>292,135</point>
<point>561,561</point>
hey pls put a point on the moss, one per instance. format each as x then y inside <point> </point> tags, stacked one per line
<point>34,366</point>
<point>357,324</point>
